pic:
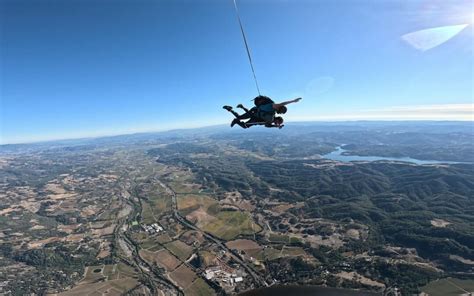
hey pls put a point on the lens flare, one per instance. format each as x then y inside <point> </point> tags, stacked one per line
<point>430,38</point>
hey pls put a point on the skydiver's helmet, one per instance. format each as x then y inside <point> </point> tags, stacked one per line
<point>278,120</point>
<point>281,110</point>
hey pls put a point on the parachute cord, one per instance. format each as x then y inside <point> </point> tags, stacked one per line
<point>246,46</point>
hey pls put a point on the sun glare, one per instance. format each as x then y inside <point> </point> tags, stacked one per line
<point>430,38</point>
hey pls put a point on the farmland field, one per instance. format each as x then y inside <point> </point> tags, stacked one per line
<point>230,224</point>
<point>160,203</point>
<point>179,249</point>
<point>449,287</point>
<point>199,288</point>
<point>184,276</point>
<point>114,279</point>
<point>164,238</point>
<point>162,258</point>
<point>190,202</point>
<point>243,244</point>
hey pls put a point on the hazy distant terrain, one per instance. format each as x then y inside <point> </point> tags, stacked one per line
<point>220,210</point>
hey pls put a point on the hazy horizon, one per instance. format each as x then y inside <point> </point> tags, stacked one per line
<point>224,125</point>
<point>95,68</point>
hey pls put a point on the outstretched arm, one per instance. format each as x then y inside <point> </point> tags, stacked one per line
<point>286,103</point>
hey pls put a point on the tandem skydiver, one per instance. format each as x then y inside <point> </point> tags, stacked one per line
<point>262,114</point>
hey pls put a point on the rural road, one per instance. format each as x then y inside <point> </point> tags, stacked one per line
<point>257,278</point>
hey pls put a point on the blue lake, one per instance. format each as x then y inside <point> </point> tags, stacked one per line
<point>339,156</point>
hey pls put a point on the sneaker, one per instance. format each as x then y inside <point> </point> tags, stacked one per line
<point>240,106</point>
<point>228,108</point>
<point>234,122</point>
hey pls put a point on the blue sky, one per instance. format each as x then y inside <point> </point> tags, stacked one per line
<point>90,68</point>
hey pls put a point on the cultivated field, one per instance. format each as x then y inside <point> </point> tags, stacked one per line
<point>164,238</point>
<point>190,202</point>
<point>182,182</point>
<point>231,224</point>
<point>179,249</point>
<point>449,287</point>
<point>183,276</point>
<point>243,244</point>
<point>104,280</point>
<point>199,288</point>
<point>162,258</point>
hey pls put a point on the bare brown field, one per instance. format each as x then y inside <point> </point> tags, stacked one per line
<point>31,205</point>
<point>191,187</point>
<point>353,233</point>
<point>89,211</point>
<point>40,243</point>
<point>104,231</point>
<point>68,228</point>
<point>55,188</point>
<point>6,211</point>
<point>98,224</point>
<point>200,217</point>
<point>234,198</point>
<point>282,208</point>
<point>208,258</point>
<point>191,201</point>
<point>333,241</point>
<point>164,238</point>
<point>191,237</point>
<point>104,250</point>
<point>167,260</point>
<point>108,177</point>
<point>163,258</point>
<point>74,237</point>
<point>354,276</point>
<point>61,196</point>
<point>38,227</point>
<point>183,276</point>
<point>273,253</point>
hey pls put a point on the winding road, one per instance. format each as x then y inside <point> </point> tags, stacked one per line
<point>256,277</point>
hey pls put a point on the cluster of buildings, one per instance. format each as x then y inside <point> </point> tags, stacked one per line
<point>153,228</point>
<point>216,273</point>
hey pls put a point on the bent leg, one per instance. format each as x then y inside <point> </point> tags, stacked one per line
<point>246,115</point>
<point>243,108</point>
